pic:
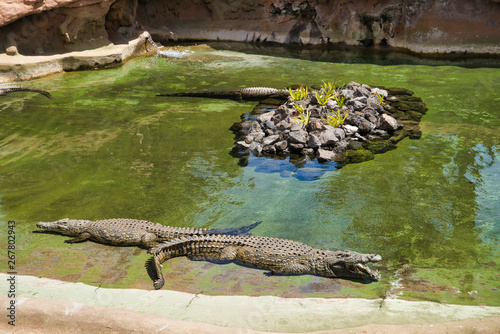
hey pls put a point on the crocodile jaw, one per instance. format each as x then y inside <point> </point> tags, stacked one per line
<point>361,271</point>
<point>354,267</point>
<point>62,226</point>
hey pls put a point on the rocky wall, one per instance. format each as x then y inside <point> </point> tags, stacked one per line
<point>430,26</point>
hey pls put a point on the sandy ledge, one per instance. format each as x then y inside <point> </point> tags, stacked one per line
<point>22,68</point>
<point>51,306</point>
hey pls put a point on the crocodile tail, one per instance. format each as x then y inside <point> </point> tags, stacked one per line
<point>10,89</point>
<point>41,91</point>
<point>162,253</point>
<point>190,244</point>
<point>234,231</point>
<point>208,93</point>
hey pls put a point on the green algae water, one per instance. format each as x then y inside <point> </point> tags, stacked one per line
<point>107,147</point>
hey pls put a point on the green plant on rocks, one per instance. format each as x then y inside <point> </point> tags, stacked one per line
<point>304,114</point>
<point>340,99</point>
<point>323,96</point>
<point>328,87</point>
<point>298,94</point>
<point>380,99</point>
<point>335,120</point>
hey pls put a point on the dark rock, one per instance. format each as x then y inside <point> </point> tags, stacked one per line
<point>298,137</point>
<point>373,103</point>
<point>388,123</point>
<point>325,155</point>
<point>341,147</point>
<point>369,116</point>
<point>360,137</point>
<point>280,114</point>
<point>254,136</point>
<point>12,51</point>
<point>241,145</point>
<point>332,105</point>
<point>313,142</point>
<point>270,149</point>
<point>281,146</point>
<point>381,92</point>
<point>361,99</point>
<point>256,148</point>
<point>265,117</point>
<point>316,111</point>
<point>284,125</point>
<point>365,126</point>
<point>268,124</point>
<point>358,120</point>
<point>315,124</point>
<point>381,133</point>
<point>307,151</point>
<point>328,137</point>
<point>270,140</point>
<point>297,126</point>
<point>350,129</point>
<point>362,91</point>
<point>340,133</point>
<point>269,132</point>
<point>352,85</point>
<point>296,147</point>
<point>358,105</point>
<point>255,127</point>
<point>348,93</point>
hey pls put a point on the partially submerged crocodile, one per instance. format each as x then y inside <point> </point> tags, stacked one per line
<point>274,254</point>
<point>250,93</point>
<point>128,232</point>
<point>5,89</point>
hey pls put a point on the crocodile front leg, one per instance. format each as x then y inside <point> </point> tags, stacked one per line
<point>79,238</point>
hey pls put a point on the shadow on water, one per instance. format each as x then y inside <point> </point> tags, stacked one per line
<point>340,53</point>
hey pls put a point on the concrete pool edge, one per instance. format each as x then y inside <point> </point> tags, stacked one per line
<point>56,303</point>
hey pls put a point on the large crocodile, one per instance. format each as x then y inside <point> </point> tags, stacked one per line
<point>127,232</point>
<point>274,254</point>
<point>5,89</point>
<point>250,93</point>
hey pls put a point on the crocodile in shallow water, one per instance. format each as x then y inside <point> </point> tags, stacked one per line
<point>250,93</point>
<point>274,254</point>
<point>5,89</point>
<point>127,232</point>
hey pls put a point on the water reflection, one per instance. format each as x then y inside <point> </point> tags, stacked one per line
<point>339,53</point>
<point>306,170</point>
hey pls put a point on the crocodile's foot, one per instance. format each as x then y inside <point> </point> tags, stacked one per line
<point>158,284</point>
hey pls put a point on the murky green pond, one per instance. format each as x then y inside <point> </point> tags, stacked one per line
<point>107,147</point>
